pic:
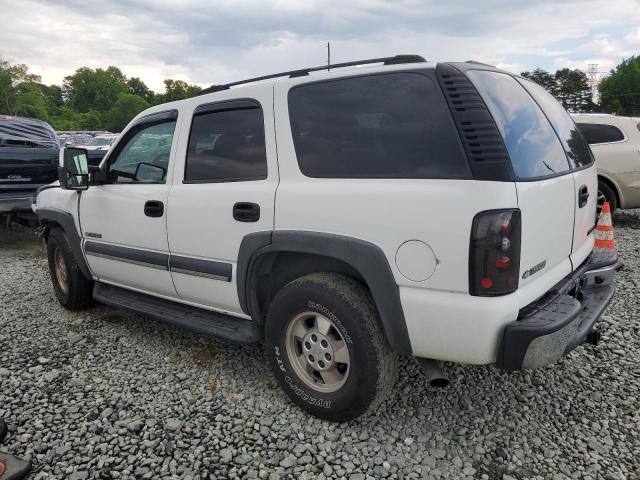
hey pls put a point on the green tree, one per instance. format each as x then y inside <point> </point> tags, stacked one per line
<point>30,101</point>
<point>573,90</point>
<point>138,87</point>
<point>620,91</point>
<point>125,108</point>
<point>542,78</point>
<point>177,90</point>
<point>65,119</point>
<point>98,89</point>
<point>11,77</point>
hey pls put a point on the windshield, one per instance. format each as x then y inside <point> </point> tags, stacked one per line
<point>99,141</point>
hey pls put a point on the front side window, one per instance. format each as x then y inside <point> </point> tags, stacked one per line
<point>227,145</point>
<point>596,133</point>
<point>533,146</point>
<point>379,126</point>
<point>572,139</point>
<point>145,156</point>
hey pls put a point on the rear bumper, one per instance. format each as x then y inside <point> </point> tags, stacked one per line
<point>561,319</point>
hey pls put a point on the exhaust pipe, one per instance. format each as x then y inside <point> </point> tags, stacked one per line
<point>433,372</point>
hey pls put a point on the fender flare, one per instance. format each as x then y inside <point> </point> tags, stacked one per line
<point>66,221</point>
<point>365,257</point>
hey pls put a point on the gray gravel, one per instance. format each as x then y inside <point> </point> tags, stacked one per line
<point>107,394</point>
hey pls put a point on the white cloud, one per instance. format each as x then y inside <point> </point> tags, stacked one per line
<point>216,42</point>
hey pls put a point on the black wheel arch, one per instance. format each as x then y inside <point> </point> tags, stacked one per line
<point>52,217</point>
<point>268,260</point>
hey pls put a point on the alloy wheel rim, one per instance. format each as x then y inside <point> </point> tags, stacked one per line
<point>61,270</point>
<point>317,351</point>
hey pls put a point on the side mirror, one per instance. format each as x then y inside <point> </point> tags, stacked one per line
<point>74,173</point>
<point>149,173</point>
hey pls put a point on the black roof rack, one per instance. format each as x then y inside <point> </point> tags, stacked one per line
<point>396,60</point>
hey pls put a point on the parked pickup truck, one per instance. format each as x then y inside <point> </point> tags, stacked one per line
<point>28,159</point>
<point>443,211</point>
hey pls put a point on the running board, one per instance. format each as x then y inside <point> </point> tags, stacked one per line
<point>205,322</point>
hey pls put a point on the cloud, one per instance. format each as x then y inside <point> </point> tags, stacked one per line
<point>217,42</point>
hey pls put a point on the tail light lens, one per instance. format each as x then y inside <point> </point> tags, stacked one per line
<point>494,256</point>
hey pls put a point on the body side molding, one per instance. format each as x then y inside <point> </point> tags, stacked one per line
<point>129,255</point>
<point>365,257</point>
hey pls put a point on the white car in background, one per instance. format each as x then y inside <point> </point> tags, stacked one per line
<point>100,143</point>
<point>615,142</point>
<point>98,147</point>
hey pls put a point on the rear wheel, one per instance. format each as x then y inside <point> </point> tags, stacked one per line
<point>72,288</point>
<point>327,349</point>
<point>606,194</point>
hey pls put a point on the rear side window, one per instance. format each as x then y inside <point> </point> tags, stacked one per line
<point>226,145</point>
<point>601,133</point>
<point>532,143</point>
<point>381,126</point>
<point>573,141</point>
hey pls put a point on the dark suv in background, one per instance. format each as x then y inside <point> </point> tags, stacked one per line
<point>28,159</point>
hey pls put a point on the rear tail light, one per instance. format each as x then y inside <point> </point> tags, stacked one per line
<point>494,255</point>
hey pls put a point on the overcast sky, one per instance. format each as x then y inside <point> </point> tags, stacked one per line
<point>207,42</point>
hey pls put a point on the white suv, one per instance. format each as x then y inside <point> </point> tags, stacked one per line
<point>443,211</point>
<point>615,142</point>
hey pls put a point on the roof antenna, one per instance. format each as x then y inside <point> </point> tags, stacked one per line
<point>328,56</point>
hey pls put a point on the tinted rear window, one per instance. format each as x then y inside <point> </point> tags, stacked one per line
<point>573,141</point>
<point>600,133</point>
<point>394,125</point>
<point>532,143</point>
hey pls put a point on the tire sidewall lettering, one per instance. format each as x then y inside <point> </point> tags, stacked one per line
<point>315,306</point>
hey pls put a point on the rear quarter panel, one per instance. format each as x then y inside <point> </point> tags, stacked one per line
<point>386,212</point>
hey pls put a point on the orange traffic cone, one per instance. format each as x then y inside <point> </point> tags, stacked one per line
<point>604,229</point>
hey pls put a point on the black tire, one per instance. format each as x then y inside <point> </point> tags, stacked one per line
<point>78,291</point>
<point>372,366</point>
<point>604,190</point>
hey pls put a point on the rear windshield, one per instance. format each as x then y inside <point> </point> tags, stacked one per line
<point>572,139</point>
<point>601,133</point>
<point>379,126</point>
<point>533,146</point>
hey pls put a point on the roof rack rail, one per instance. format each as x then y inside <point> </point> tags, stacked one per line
<point>396,60</point>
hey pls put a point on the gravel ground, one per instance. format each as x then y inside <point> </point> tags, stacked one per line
<point>107,394</point>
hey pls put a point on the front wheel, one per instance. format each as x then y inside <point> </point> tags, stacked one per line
<point>327,349</point>
<point>71,287</point>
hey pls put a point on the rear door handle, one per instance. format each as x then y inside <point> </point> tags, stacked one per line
<point>583,196</point>
<point>246,212</point>
<point>153,208</point>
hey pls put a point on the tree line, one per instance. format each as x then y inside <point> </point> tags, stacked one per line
<point>89,99</point>
<point>105,99</point>
<point>619,91</point>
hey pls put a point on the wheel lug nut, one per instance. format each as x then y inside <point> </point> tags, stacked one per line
<point>311,359</point>
<point>324,343</point>
<point>307,345</point>
<point>328,357</point>
<point>321,363</point>
<point>314,338</point>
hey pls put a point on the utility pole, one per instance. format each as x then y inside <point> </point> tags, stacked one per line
<point>592,76</point>
<point>328,55</point>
